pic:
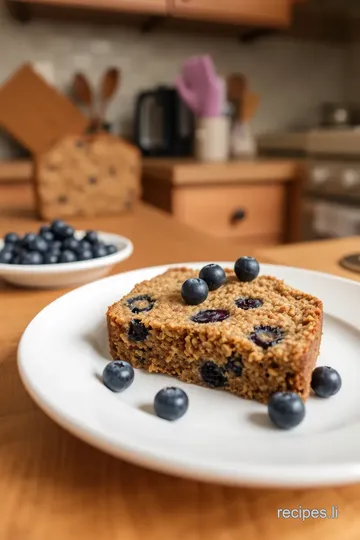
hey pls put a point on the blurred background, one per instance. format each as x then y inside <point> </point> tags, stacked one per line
<point>245,113</point>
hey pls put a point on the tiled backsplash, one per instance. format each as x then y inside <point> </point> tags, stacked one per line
<point>292,78</point>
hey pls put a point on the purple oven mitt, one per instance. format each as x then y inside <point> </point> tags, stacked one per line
<point>200,87</point>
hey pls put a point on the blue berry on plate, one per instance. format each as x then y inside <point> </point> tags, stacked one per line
<point>27,239</point>
<point>325,381</point>
<point>111,249</point>
<point>46,233</point>
<point>99,250</point>
<point>51,258</point>
<point>213,375</point>
<point>84,244</point>
<point>92,237</point>
<point>141,303</point>
<point>67,256</point>
<point>61,230</point>
<point>71,243</point>
<point>286,409</point>
<point>137,331</point>
<point>210,316</point>
<point>266,336</point>
<point>247,268</point>
<point>118,375</point>
<point>85,255</point>
<point>31,257</point>
<point>11,238</point>
<point>39,244</point>
<point>248,303</point>
<point>6,256</point>
<point>171,403</point>
<point>213,275</point>
<point>194,291</point>
<point>56,245</point>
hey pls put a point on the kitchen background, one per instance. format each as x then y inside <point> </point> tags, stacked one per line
<point>301,185</point>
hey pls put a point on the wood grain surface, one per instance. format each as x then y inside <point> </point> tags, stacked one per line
<point>53,486</point>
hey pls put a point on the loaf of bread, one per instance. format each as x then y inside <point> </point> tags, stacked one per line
<point>87,176</point>
<point>251,339</point>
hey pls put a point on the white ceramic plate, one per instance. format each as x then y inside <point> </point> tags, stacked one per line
<point>222,438</point>
<point>53,276</point>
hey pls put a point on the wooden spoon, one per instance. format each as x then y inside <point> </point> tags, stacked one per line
<point>109,85</point>
<point>82,92</point>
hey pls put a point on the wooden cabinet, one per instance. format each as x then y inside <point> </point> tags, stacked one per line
<point>132,6</point>
<point>251,202</point>
<point>259,12</point>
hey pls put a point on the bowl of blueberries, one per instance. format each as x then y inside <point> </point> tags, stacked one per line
<point>57,256</point>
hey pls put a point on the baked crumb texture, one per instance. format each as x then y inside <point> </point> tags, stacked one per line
<point>220,355</point>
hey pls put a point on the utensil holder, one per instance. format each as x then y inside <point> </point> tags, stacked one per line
<point>212,138</point>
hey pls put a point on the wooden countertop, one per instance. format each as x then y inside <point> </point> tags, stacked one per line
<point>180,172</point>
<point>54,486</point>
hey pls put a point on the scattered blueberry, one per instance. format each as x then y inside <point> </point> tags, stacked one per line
<point>247,268</point>
<point>71,243</point>
<point>11,238</point>
<point>194,291</point>
<point>286,409</point>
<point>326,381</point>
<point>111,249</point>
<point>248,303</point>
<point>6,256</point>
<point>27,239</point>
<point>67,256</point>
<point>85,255</point>
<point>213,275</point>
<point>31,257</point>
<point>56,246</point>
<point>137,331</point>
<point>61,230</point>
<point>235,365</point>
<point>141,303</point>
<point>171,403</point>
<point>92,237</point>
<point>46,233</point>
<point>51,258</point>
<point>118,375</point>
<point>39,244</point>
<point>99,250</point>
<point>210,316</point>
<point>212,375</point>
<point>84,244</point>
<point>266,336</point>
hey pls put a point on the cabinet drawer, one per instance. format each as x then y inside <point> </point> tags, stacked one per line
<point>232,211</point>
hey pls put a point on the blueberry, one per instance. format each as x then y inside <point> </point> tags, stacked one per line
<point>92,237</point>
<point>27,239</point>
<point>39,244</point>
<point>286,409</point>
<point>6,256</point>
<point>248,303</point>
<point>171,403</point>
<point>141,303</point>
<point>194,291</point>
<point>111,249</point>
<point>326,381</point>
<point>118,375</point>
<point>55,246</point>
<point>99,250</point>
<point>213,375</point>
<point>61,230</point>
<point>84,244</point>
<point>11,238</point>
<point>137,331</point>
<point>71,243</point>
<point>46,233</point>
<point>210,316</point>
<point>213,275</point>
<point>85,255</point>
<point>31,257</point>
<point>247,268</point>
<point>235,365</point>
<point>51,258</point>
<point>266,336</point>
<point>67,256</point>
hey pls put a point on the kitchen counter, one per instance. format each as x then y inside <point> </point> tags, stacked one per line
<point>182,172</point>
<point>54,486</point>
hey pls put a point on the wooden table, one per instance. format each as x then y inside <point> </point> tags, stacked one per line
<point>53,486</point>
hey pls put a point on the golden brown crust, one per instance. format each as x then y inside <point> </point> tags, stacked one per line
<point>177,346</point>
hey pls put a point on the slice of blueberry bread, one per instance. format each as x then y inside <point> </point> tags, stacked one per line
<point>250,338</point>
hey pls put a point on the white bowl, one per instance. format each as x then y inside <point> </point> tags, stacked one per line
<point>54,276</point>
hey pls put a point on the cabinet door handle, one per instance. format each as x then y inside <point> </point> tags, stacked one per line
<point>238,215</point>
